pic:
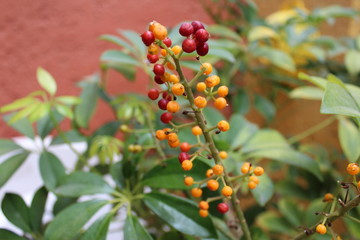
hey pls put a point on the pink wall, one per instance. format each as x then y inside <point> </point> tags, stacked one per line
<point>61,36</point>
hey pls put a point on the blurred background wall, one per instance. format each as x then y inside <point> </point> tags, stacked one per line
<point>61,36</point>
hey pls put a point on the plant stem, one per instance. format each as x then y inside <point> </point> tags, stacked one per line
<point>352,218</point>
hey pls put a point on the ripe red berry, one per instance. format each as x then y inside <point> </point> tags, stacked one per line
<point>197,25</point>
<point>166,117</point>
<point>202,48</point>
<point>158,80</point>
<point>202,35</point>
<point>152,58</point>
<point>186,29</point>
<point>185,147</point>
<point>153,94</point>
<point>148,38</point>
<point>167,41</point>
<point>162,103</point>
<point>159,69</point>
<point>222,208</point>
<point>189,45</point>
<point>183,156</point>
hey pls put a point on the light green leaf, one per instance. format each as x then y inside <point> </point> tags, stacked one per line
<point>65,111</point>
<point>307,92</point>
<point>352,59</point>
<point>320,82</point>
<point>38,113</point>
<point>51,169</point>
<point>264,190</point>
<point>349,136</point>
<point>291,211</point>
<point>7,235</point>
<point>46,81</point>
<point>261,32</point>
<point>23,126</point>
<point>212,116</point>
<point>68,100</point>
<point>116,40</point>
<point>46,124</point>
<point>68,223</point>
<point>221,53</point>
<point>277,57</point>
<point>117,57</point>
<point>10,165</point>
<point>99,229</point>
<point>265,107</point>
<point>17,104</point>
<point>241,131</point>
<point>7,145</point>
<point>222,31</point>
<point>24,112</point>
<point>134,230</point>
<point>241,102</point>
<point>334,11</point>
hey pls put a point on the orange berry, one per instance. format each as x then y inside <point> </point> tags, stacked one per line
<point>167,131</point>
<point>172,106</point>
<point>196,130</point>
<point>213,185</point>
<point>328,197</point>
<point>174,144</point>
<point>163,52</point>
<point>170,66</point>
<point>160,134</point>
<point>178,89</point>
<point>187,165</point>
<point>204,205</point>
<point>209,173</point>
<point>358,184</point>
<point>353,169</point>
<point>245,167</point>
<point>223,91</point>
<point>252,185</point>
<point>227,191</point>
<point>254,179</point>
<point>153,49</point>
<point>200,102</point>
<point>189,181</point>
<point>258,171</point>
<point>185,147</point>
<point>220,103</point>
<point>201,86</point>
<point>165,77</point>
<point>203,213</point>
<point>172,137</point>
<point>321,229</point>
<point>174,78</point>
<point>196,192</point>
<point>160,32</point>
<point>208,68</point>
<point>223,126</point>
<point>152,25</point>
<point>218,169</point>
<point>176,49</point>
<point>212,81</point>
<point>223,154</point>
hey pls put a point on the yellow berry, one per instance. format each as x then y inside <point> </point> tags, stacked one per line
<point>218,169</point>
<point>172,137</point>
<point>203,213</point>
<point>196,192</point>
<point>187,165</point>
<point>209,173</point>
<point>201,86</point>
<point>178,89</point>
<point>174,79</point>
<point>223,155</point>
<point>252,185</point>
<point>189,181</point>
<point>258,171</point>
<point>165,77</point>
<point>212,81</point>
<point>208,68</point>
<point>223,126</point>
<point>196,130</point>
<point>160,135</point>
<point>328,197</point>
<point>204,205</point>
<point>353,169</point>
<point>213,185</point>
<point>254,179</point>
<point>163,52</point>
<point>153,49</point>
<point>220,103</point>
<point>321,229</point>
<point>172,107</point>
<point>174,144</point>
<point>160,32</point>
<point>200,102</point>
<point>223,91</point>
<point>176,49</point>
<point>227,191</point>
<point>245,167</point>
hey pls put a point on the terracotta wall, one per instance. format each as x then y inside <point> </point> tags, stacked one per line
<point>61,36</point>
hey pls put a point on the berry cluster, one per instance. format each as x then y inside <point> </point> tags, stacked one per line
<point>196,38</point>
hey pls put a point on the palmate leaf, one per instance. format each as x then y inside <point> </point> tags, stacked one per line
<point>134,230</point>
<point>10,165</point>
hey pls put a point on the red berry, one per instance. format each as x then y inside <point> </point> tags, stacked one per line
<point>162,103</point>
<point>189,45</point>
<point>183,156</point>
<point>186,29</point>
<point>153,94</point>
<point>222,208</point>
<point>167,41</point>
<point>159,69</point>
<point>185,147</point>
<point>158,80</point>
<point>202,35</point>
<point>202,48</point>
<point>152,58</point>
<point>166,117</point>
<point>166,95</point>
<point>197,25</point>
<point>148,38</point>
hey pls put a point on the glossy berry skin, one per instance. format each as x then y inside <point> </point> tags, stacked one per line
<point>167,41</point>
<point>223,91</point>
<point>148,38</point>
<point>196,130</point>
<point>185,147</point>
<point>172,137</point>
<point>222,208</point>
<point>173,106</point>
<point>218,169</point>
<point>166,117</point>
<point>220,103</point>
<point>188,181</point>
<point>353,169</point>
<point>152,58</point>
<point>166,95</point>
<point>201,86</point>
<point>158,80</point>
<point>202,48</point>
<point>209,173</point>
<point>176,49</point>
<point>160,32</point>
<point>223,126</point>
<point>162,103</point>
<point>189,45</point>
<point>245,167</point>
<point>328,197</point>
<point>159,69</point>
<point>223,154</point>
<point>252,185</point>
<point>226,191</point>
<point>202,35</point>
<point>178,89</point>
<point>197,25</point>
<point>186,29</point>
<point>254,179</point>
<point>203,213</point>
<point>187,165</point>
<point>196,192</point>
<point>258,171</point>
<point>207,68</point>
<point>213,185</point>
<point>160,135</point>
<point>321,229</point>
<point>153,94</point>
<point>204,205</point>
<point>183,156</point>
<point>200,102</point>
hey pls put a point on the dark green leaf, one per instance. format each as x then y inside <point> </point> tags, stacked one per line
<point>72,135</point>
<point>82,183</point>
<point>23,126</point>
<point>212,116</point>
<point>127,70</point>
<point>51,169</point>
<point>315,206</point>
<point>45,125</point>
<point>7,145</point>
<point>16,211</point>
<point>258,234</point>
<point>116,172</point>
<point>109,129</point>
<point>7,235</point>
<point>270,221</point>
<point>291,211</point>
<point>171,176</point>
<point>134,230</point>
<point>241,102</point>
<point>352,226</point>
<point>181,214</point>
<point>99,229</point>
<point>264,191</point>
<point>68,223</point>
<point>10,165</point>
<point>62,203</point>
<point>265,107</point>
<point>37,209</point>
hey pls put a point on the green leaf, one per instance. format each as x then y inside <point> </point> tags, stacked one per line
<point>89,96</point>
<point>212,116</point>
<point>45,125</point>
<point>62,203</point>
<point>134,230</point>
<point>82,183</point>
<point>316,205</point>
<point>116,172</point>
<point>7,235</point>
<point>352,57</point>
<point>68,223</point>
<point>127,70</point>
<point>258,234</point>
<point>270,221</point>
<point>38,113</point>
<point>99,229</point>
<point>72,136</point>
<point>307,92</point>
<point>180,213</point>
<point>265,107</point>
<point>51,169</point>
<point>334,11</point>
<point>10,165</point>
<point>241,131</point>
<point>261,32</point>
<point>17,104</point>
<point>352,227</point>
<point>68,100</point>
<point>320,82</point>
<point>25,112</point>
<point>349,136</point>
<point>222,54</point>
<point>46,81</point>
<point>224,32</point>
<point>8,146</point>
<point>277,57</point>
<point>37,209</point>
<point>241,102</point>
<point>135,39</point>
<point>116,40</point>
<point>264,190</point>
<point>23,126</point>
<point>64,110</point>
<point>171,176</point>
<point>291,211</point>
<point>16,211</point>
<point>117,57</point>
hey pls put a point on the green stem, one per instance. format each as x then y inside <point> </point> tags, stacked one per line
<point>352,218</point>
